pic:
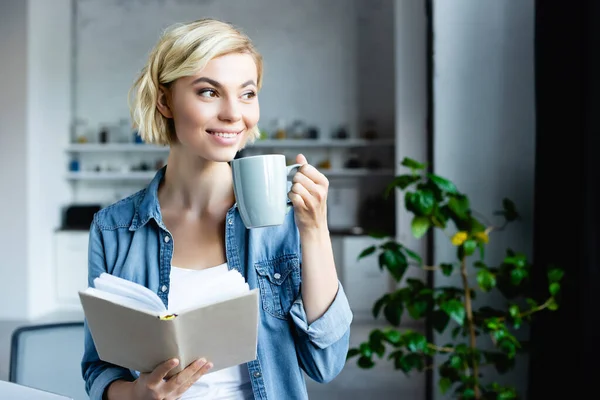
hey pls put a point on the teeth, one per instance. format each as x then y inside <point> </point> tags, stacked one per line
<point>224,135</point>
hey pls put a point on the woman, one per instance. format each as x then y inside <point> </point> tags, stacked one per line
<point>198,94</point>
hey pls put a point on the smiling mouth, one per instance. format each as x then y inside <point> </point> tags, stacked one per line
<point>227,134</point>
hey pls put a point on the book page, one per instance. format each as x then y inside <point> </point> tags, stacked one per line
<point>126,289</point>
<point>128,302</point>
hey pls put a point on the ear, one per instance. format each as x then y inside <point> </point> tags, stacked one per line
<point>164,102</point>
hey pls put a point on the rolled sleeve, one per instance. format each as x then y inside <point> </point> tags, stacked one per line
<point>105,378</point>
<point>331,326</point>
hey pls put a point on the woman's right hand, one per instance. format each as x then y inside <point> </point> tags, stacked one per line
<point>154,386</point>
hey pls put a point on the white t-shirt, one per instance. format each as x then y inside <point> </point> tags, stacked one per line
<point>229,383</point>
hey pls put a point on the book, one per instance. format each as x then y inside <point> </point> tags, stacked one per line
<point>132,328</point>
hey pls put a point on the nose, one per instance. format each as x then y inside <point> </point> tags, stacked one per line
<point>230,110</point>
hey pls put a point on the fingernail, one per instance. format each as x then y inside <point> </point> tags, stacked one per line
<point>200,362</point>
<point>210,365</point>
<point>174,361</point>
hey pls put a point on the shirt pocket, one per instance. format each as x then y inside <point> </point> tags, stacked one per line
<point>279,283</point>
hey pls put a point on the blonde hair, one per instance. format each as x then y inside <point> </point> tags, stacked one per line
<point>183,50</point>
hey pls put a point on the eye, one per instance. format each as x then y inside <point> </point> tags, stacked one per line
<point>210,93</point>
<point>248,95</point>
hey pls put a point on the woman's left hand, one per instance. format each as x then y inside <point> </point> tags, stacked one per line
<point>309,197</point>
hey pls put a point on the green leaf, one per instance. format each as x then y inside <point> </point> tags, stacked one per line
<point>392,246</point>
<point>393,336</point>
<point>469,245</point>
<point>352,353</point>
<point>531,302</point>
<point>409,361</point>
<point>421,202</point>
<point>447,269</point>
<point>415,341</point>
<point>365,349</point>
<point>402,182</point>
<point>413,255</point>
<point>412,164</point>
<point>460,206</point>
<point>417,309</point>
<point>440,320</point>
<point>510,211</point>
<point>468,394</point>
<point>444,384</point>
<point>377,235</point>
<point>443,184</point>
<point>365,362</point>
<point>518,260</point>
<point>555,275</point>
<point>455,310</point>
<point>481,247</point>
<point>375,342</point>
<point>419,226</point>
<point>486,280</point>
<point>517,275</point>
<point>456,362</point>
<point>395,262</point>
<point>554,288</point>
<point>366,252</point>
<point>393,311</point>
<point>552,305</point>
<point>379,304</point>
<point>438,218</point>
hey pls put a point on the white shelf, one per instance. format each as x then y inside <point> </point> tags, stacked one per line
<point>148,175</point>
<point>114,147</point>
<point>274,143</point>
<point>267,143</point>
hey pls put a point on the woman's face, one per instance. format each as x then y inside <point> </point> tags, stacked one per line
<point>214,110</point>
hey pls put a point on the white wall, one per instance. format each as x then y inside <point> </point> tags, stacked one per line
<point>34,120</point>
<point>13,160</point>
<point>484,119</point>
<point>49,118</point>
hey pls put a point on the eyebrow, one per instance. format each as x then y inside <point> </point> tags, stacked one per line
<point>218,85</point>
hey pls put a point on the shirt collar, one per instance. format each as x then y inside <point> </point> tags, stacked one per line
<point>147,206</point>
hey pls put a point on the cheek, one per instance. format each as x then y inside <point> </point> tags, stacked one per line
<point>252,115</point>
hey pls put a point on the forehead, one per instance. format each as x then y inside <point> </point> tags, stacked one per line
<point>230,69</point>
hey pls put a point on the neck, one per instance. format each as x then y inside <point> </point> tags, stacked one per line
<point>196,185</point>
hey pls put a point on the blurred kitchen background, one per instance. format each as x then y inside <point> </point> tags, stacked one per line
<point>349,83</point>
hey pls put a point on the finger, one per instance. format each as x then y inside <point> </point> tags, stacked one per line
<point>319,192</point>
<point>299,189</point>
<point>159,373</point>
<point>201,372</point>
<point>182,378</point>
<point>314,175</point>
<point>305,181</point>
<point>300,159</point>
<point>297,200</point>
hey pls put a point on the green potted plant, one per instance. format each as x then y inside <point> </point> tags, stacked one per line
<point>436,203</point>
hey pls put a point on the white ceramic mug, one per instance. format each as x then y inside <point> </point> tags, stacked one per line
<point>260,184</point>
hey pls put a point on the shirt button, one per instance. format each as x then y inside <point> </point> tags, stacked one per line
<point>257,374</point>
<point>164,288</point>
<point>167,239</point>
<point>230,221</point>
<point>276,275</point>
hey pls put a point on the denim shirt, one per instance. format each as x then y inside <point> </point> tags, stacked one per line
<point>129,239</point>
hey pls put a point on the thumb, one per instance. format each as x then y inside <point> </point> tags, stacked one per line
<point>300,159</point>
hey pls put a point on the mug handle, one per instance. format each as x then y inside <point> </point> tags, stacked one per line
<point>291,170</point>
